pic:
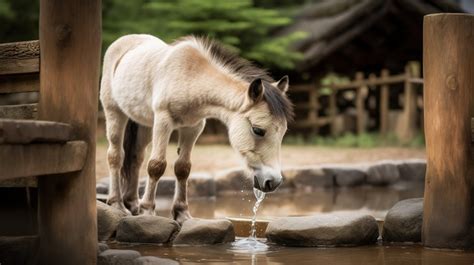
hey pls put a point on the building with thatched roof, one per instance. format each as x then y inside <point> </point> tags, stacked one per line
<point>363,35</point>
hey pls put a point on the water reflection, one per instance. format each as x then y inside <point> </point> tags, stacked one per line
<point>371,200</point>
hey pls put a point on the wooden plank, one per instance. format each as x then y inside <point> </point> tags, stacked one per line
<point>23,111</point>
<point>20,66</point>
<point>333,112</point>
<point>70,60</point>
<point>20,160</point>
<point>29,131</point>
<point>384,101</point>
<point>19,83</point>
<point>360,104</point>
<point>408,130</point>
<point>19,50</point>
<point>449,107</point>
<point>371,82</point>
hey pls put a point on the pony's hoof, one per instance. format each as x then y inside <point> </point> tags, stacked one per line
<point>133,207</point>
<point>120,206</point>
<point>181,216</point>
<point>145,209</point>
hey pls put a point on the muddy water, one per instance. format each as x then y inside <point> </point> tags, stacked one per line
<point>377,254</point>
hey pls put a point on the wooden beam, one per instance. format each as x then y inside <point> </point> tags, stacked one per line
<point>20,160</point>
<point>19,57</point>
<point>371,82</point>
<point>384,104</point>
<point>360,104</point>
<point>19,83</point>
<point>449,107</point>
<point>23,111</point>
<point>70,42</point>
<point>29,131</point>
<point>409,103</point>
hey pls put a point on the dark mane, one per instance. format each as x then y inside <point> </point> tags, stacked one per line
<point>278,103</point>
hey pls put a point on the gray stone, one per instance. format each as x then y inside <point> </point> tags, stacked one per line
<point>165,186</point>
<point>383,173</point>
<point>308,178</point>
<point>403,221</point>
<point>323,230</point>
<point>101,247</point>
<point>149,260</point>
<point>201,185</point>
<point>232,180</point>
<point>146,229</point>
<point>117,257</point>
<point>347,175</point>
<point>102,188</point>
<point>108,219</point>
<point>205,232</point>
<point>412,170</point>
<point>18,249</point>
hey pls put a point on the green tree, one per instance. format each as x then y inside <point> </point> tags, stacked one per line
<point>238,24</point>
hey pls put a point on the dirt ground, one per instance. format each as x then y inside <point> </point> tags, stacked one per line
<point>212,158</point>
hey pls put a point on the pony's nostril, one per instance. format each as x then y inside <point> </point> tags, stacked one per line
<point>268,185</point>
<point>255,182</point>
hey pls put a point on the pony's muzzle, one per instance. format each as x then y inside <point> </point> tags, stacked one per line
<point>267,183</point>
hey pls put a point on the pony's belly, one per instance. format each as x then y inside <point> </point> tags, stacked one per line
<point>134,105</point>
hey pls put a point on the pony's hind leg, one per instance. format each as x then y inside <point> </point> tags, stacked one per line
<point>137,138</point>
<point>161,132</point>
<point>182,168</point>
<point>115,127</point>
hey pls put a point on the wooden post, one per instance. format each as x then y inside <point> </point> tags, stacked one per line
<point>448,57</point>
<point>409,108</point>
<point>384,101</point>
<point>333,111</point>
<point>313,109</point>
<point>360,104</point>
<point>70,43</point>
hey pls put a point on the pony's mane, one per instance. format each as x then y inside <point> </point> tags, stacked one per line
<point>229,61</point>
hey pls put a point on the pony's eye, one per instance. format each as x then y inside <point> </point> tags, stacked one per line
<point>258,131</point>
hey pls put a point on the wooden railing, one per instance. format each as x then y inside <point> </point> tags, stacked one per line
<point>360,85</point>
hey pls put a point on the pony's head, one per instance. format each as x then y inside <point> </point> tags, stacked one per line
<point>257,130</point>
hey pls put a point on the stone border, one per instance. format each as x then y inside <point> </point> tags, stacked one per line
<point>380,173</point>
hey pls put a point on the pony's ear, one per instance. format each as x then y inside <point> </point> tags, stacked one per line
<point>255,92</point>
<point>282,84</point>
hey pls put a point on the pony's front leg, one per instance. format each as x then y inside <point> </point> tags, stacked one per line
<point>162,129</point>
<point>182,168</point>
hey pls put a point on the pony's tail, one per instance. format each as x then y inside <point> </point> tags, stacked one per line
<point>130,148</point>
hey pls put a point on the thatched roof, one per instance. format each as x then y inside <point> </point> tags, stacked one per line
<point>347,35</point>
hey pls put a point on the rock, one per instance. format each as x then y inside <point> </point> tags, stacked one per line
<point>232,180</point>
<point>308,178</point>
<point>101,247</point>
<point>347,176</point>
<point>412,170</point>
<point>146,229</point>
<point>165,187</point>
<point>383,173</point>
<point>403,221</point>
<point>323,230</point>
<point>108,219</point>
<point>149,260</point>
<point>205,232</point>
<point>18,249</point>
<point>201,185</point>
<point>102,188</point>
<point>117,257</point>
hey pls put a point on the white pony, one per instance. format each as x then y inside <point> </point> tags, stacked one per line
<point>150,88</point>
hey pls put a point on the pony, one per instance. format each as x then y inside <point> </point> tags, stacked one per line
<point>150,88</point>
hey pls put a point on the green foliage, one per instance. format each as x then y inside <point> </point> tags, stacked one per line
<point>238,24</point>
<point>348,140</point>
<point>19,20</point>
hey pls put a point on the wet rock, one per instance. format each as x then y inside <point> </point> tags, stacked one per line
<point>383,173</point>
<point>101,247</point>
<point>232,180</point>
<point>146,229</point>
<point>323,230</point>
<point>308,178</point>
<point>18,249</point>
<point>149,260</point>
<point>412,170</point>
<point>205,232</point>
<point>347,175</point>
<point>201,185</point>
<point>403,222</point>
<point>117,257</point>
<point>108,219</point>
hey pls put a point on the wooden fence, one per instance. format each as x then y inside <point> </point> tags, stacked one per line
<point>360,86</point>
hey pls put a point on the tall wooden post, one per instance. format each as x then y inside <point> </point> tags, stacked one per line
<point>409,108</point>
<point>360,104</point>
<point>448,62</point>
<point>384,101</point>
<point>70,42</point>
